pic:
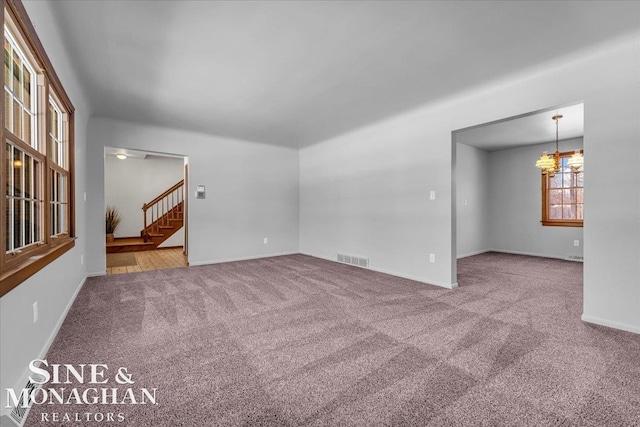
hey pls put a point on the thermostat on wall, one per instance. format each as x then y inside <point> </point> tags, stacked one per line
<point>199,191</point>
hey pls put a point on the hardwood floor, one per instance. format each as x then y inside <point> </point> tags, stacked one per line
<point>153,260</point>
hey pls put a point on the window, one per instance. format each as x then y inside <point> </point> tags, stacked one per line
<point>37,135</point>
<point>563,196</point>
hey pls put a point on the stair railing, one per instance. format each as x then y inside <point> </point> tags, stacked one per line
<point>161,210</point>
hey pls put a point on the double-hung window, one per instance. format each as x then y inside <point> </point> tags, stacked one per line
<point>563,195</point>
<point>37,156</point>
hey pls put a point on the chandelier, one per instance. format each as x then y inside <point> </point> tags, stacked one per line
<point>549,164</point>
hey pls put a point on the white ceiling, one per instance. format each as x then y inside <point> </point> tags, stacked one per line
<point>295,73</point>
<point>535,128</point>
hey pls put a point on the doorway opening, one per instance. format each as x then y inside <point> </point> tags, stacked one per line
<point>146,210</point>
<point>498,194</point>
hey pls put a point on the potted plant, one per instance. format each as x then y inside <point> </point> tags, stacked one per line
<point>112,219</point>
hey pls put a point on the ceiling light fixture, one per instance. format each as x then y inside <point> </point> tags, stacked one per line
<point>121,156</point>
<point>550,164</point>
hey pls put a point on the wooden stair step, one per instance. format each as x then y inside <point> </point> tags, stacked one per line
<point>129,244</point>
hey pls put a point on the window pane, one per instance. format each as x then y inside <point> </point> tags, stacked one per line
<point>53,153</point>
<point>53,185</point>
<point>54,221</point>
<point>54,122</point>
<point>27,127</point>
<point>556,181</point>
<point>580,179</point>
<point>567,196</point>
<point>555,197</point>
<point>17,119</point>
<point>17,172</point>
<point>28,224</point>
<point>7,229</point>
<point>61,219</point>
<point>9,226</point>
<point>569,211</point>
<point>567,179</point>
<point>17,75</point>
<point>37,204</point>
<point>555,211</point>
<point>37,218</point>
<point>7,62</point>
<point>580,195</point>
<point>8,101</point>
<point>27,176</point>
<point>580,211</point>
<point>17,224</point>
<point>62,189</point>
<point>8,169</point>
<point>27,87</point>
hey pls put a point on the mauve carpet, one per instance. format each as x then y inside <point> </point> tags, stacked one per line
<point>295,340</point>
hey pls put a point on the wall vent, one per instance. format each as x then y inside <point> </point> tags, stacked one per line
<point>578,258</point>
<point>19,413</point>
<point>353,260</point>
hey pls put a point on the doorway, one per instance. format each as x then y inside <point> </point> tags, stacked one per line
<point>146,210</point>
<point>498,198</point>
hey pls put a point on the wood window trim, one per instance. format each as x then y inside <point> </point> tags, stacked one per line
<point>546,221</point>
<point>15,269</point>
<point>14,276</point>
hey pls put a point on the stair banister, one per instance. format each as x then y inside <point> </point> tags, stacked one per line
<point>163,207</point>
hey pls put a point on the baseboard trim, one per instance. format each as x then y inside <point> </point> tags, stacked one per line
<point>55,331</point>
<point>473,253</point>
<point>52,337</point>
<point>159,248</point>
<point>610,324</point>
<point>248,258</point>
<point>391,273</point>
<point>504,251</point>
<point>103,273</point>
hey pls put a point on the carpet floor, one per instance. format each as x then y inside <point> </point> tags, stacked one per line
<point>295,340</point>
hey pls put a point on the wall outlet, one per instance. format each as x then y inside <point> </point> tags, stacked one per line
<point>466,203</point>
<point>85,196</point>
<point>432,195</point>
<point>266,240</point>
<point>35,312</point>
<point>432,257</point>
<point>576,243</point>
<point>81,259</point>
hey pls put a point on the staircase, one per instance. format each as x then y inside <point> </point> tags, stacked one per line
<point>163,217</point>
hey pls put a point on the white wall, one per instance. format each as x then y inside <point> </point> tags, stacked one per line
<point>55,286</point>
<point>516,203</point>
<point>367,192</point>
<point>252,191</point>
<point>131,182</point>
<point>472,199</point>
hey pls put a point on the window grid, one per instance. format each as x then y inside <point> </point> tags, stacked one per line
<point>56,134</point>
<point>38,158</point>
<point>19,92</point>
<point>23,203</point>
<point>58,203</point>
<point>563,195</point>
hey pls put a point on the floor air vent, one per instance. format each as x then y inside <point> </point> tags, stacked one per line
<point>19,412</point>
<point>353,260</point>
<point>574,258</point>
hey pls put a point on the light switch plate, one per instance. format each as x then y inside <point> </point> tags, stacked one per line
<point>200,192</point>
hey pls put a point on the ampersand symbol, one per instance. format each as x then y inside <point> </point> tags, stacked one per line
<point>124,377</point>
